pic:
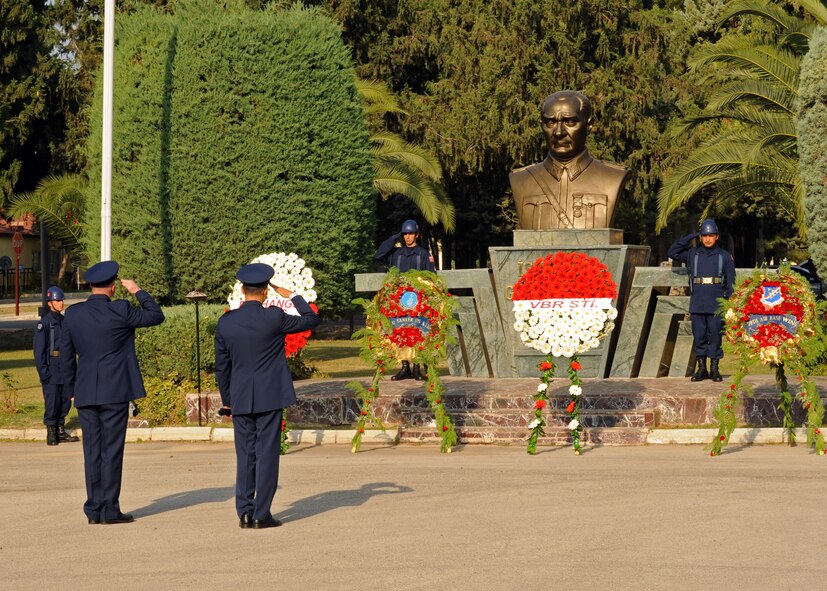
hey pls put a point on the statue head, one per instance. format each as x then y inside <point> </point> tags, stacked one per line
<point>566,119</point>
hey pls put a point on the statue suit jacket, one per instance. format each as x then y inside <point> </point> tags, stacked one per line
<point>250,366</point>
<point>101,332</point>
<point>584,196</point>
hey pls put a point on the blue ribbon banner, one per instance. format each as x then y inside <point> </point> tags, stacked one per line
<point>788,321</point>
<point>419,322</point>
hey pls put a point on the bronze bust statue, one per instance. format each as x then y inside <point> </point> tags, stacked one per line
<point>569,189</point>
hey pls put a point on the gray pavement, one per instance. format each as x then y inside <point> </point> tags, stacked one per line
<point>407,517</point>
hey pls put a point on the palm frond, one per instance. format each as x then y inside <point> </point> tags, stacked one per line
<point>377,98</point>
<point>59,201</point>
<point>391,147</point>
<point>395,178</point>
<point>766,62</point>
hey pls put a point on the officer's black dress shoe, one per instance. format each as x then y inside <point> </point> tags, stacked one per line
<point>264,523</point>
<point>94,521</point>
<point>245,521</point>
<point>65,437</point>
<point>119,518</point>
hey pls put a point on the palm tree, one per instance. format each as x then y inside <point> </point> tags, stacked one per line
<point>402,168</point>
<point>60,202</point>
<point>752,114</point>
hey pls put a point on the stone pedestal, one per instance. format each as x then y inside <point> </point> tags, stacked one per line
<point>568,238</point>
<point>509,264</point>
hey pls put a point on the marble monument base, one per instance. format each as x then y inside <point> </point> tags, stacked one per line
<point>568,238</point>
<point>613,411</point>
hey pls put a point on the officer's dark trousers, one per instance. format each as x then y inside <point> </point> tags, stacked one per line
<point>257,451</point>
<point>707,333</point>
<point>104,434</point>
<point>57,402</point>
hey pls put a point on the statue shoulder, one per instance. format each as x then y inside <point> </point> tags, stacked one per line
<point>612,168</point>
<point>525,171</point>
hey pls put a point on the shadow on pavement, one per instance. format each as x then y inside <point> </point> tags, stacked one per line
<point>186,499</point>
<point>316,504</point>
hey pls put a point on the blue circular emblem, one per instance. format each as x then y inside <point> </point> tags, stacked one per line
<point>408,300</point>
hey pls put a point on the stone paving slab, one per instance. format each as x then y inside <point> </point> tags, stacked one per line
<point>649,518</point>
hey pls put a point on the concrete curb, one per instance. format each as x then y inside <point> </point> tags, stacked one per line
<point>747,435</point>
<point>220,434</point>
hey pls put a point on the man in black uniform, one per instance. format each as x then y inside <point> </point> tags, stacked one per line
<point>256,386</point>
<point>408,255</point>
<point>711,276</point>
<point>104,379</point>
<point>47,359</point>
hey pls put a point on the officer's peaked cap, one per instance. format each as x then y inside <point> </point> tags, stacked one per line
<point>708,226</point>
<point>101,274</point>
<point>54,294</point>
<point>255,274</point>
<point>409,226</point>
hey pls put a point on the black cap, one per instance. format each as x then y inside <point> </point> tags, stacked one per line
<point>101,274</point>
<point>255,274</point>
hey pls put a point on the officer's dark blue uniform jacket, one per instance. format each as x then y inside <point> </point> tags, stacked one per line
<point>46,344</point>
<point>250,366</point>
<point>102,334</point>
<point>403,257</point>
<point>711,273</point>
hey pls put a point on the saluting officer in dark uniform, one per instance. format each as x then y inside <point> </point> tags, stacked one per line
<point>711,276</point>
<point>47,359</point>
<point>255,386</point>
<point>105,378</point>
<point>408,255</point>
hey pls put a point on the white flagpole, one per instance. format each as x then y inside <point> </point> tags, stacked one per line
<point>106,149</point>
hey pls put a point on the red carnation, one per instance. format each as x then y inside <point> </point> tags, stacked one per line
<point>545,366</point>
<point>439,400</point>
<point>445,427</point>
<point>722,437</point>
<point>575,365</point>
<point>540,404</point>
<point>361,430</point>
<point>570,407</point>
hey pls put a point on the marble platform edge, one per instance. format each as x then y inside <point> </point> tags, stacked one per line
<point>677,436</point>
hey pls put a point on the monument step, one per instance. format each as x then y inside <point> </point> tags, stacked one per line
<point>520,418</point>
<point>511,435</point>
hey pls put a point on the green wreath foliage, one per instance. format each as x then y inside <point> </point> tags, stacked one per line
<point>379,350</point>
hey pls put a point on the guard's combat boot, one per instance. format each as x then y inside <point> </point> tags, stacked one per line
<point>700,373</point>
<point>64,436</point>
<point>52,437</point>
<point>713,371</point>
<point>404,373</point>
<point>418,374</point>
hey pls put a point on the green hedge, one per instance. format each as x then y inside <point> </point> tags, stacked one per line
<point>812,145</point>
<point>238,132</point>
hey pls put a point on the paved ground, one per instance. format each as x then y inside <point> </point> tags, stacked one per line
<point>406,517</point>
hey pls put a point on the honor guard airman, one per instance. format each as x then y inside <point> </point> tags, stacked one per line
<point>105,378</point>
<point>48,360</point>
<point>406,256</point>
<point>711,276</point>
<point>256,386</point>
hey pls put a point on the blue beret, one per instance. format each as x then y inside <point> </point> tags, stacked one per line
<point>53,294</point>
<point>255,274</point>
<point>102,273</point>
